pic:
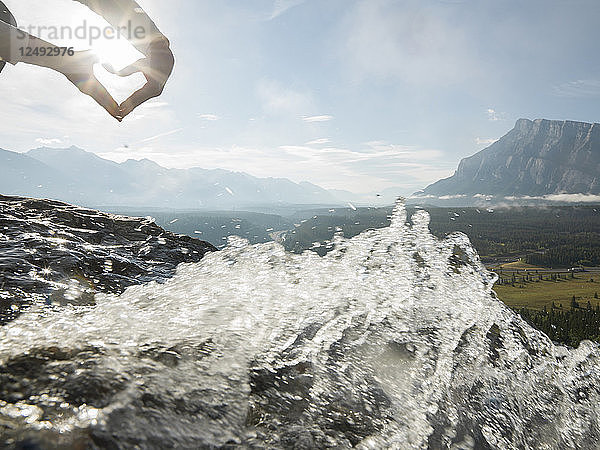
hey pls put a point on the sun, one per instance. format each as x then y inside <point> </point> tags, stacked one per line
<point>118,53</point>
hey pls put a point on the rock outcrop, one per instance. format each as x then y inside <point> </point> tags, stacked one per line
<point>59,253</point>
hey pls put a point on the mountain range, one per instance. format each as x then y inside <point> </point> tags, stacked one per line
<point>77,176</point>
<point>534,161</point>
<point>536,158</point>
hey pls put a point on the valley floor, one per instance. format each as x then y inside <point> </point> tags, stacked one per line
<point>536,294</point>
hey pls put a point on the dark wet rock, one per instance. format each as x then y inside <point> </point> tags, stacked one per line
<point>62,254</point>
<point>63,384</point>
<point>287,409</point>
<point>495,342</point>
<point>171,356</point>
<point>75,376</point>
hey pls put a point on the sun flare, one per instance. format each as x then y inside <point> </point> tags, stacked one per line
<point>117,52</point>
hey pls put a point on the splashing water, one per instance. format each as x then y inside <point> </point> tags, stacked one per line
<point>393,340</point>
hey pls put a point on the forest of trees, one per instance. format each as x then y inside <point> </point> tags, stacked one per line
<point>569,326</point>
<point>582,249</point>
<point>557,237</point>
<point>514,277</point>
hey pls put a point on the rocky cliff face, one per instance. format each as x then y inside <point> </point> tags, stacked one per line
<point>535,158</point>
<point>58,253</point>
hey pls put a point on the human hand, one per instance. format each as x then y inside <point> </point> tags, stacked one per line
<point>156,67</point>
<point>79,70</point>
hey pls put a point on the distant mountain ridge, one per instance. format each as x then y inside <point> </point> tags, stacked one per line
<point>536,158</point>
<point>77,176</point>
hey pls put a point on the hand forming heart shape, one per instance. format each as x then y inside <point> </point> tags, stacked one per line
<point>156,67</point>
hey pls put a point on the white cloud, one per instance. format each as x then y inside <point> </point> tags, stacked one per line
<point>209,117</point>
<point>323,118</point>
<point>420,196</point>
<point>161,135</point>
<point>376,165</point>
<point>52,141</point>
<point>406,152</point>
<point>154,104</point>
<point>485,141</point>
<point>277,98</point>
<point>578,89</point>
<point>319,142</point>
<point>493,115</point>
<point>451,197</point>
<point>563,198</point>
<point>583,198</point>
<point>388,39</point>
<point>573,198</point>
<point>282,6</point>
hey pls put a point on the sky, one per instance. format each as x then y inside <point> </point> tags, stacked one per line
<point>360,95</point>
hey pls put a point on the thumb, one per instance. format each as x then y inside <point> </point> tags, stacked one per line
<point>137,66</point>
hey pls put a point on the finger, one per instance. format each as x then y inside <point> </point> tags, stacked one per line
<point>91,56</point>
<point>137,66</point>
<point>98,92</point>
<point>148,91</point>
